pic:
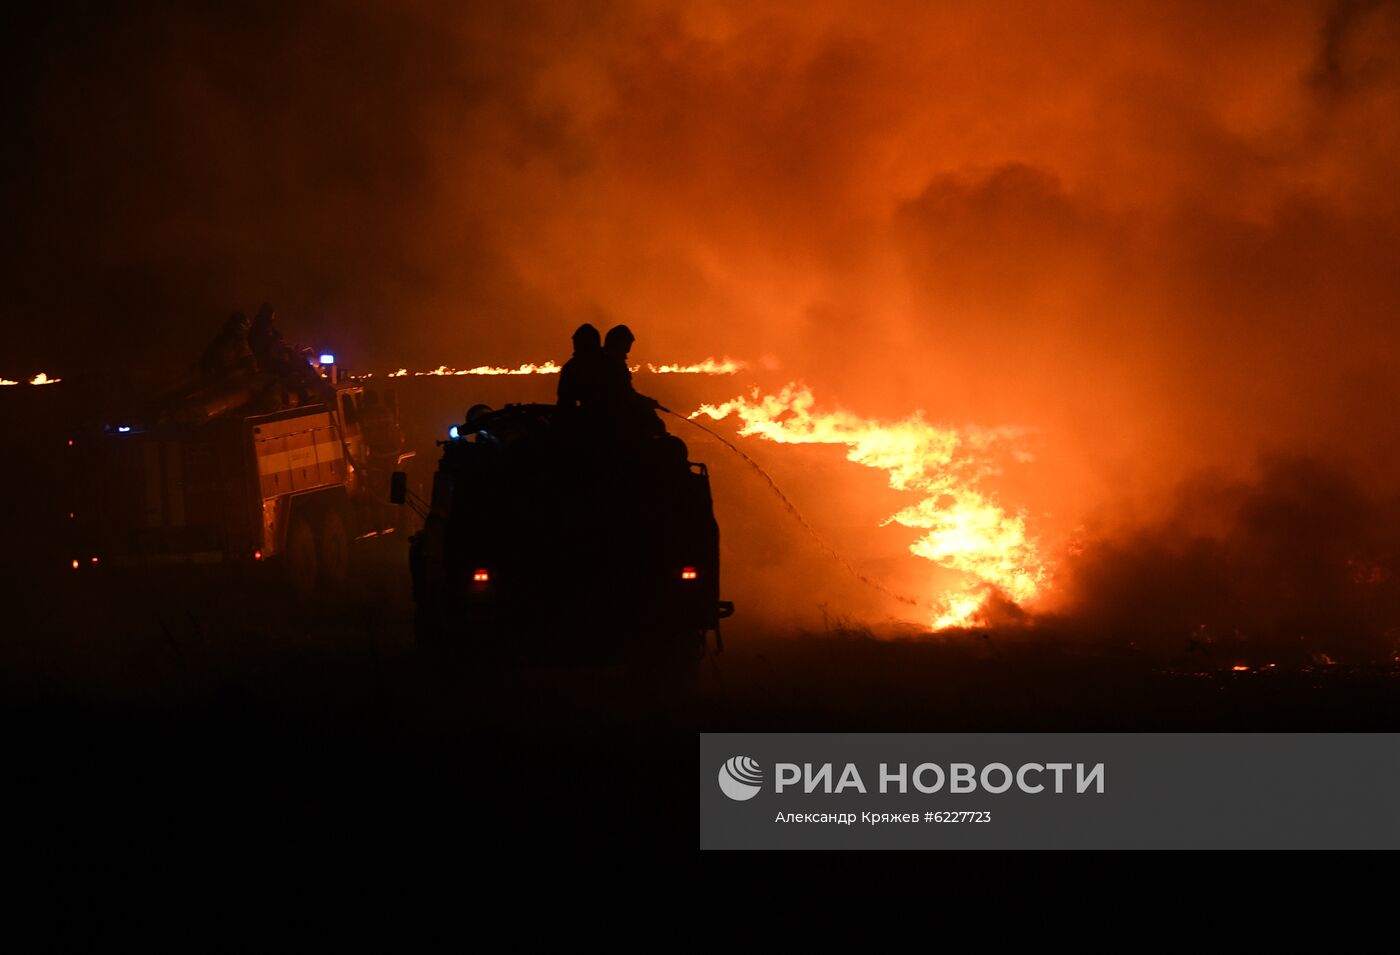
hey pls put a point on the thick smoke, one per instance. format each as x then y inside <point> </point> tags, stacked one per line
<point>1162,238</point>
<point>1297,565</point>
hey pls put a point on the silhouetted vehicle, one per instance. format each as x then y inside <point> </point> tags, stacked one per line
<point>210,476</point>
<point>546,540</point>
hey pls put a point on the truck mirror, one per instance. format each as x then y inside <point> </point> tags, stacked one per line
<point>398,487</point>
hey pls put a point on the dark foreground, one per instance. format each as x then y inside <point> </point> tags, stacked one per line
<point>192,723</point>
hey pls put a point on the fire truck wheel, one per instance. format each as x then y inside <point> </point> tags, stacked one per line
<point>301,557</point>
<point>334,548</point>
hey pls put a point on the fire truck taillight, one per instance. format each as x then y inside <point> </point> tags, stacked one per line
<point>481,576</point>
<point>257,555</point>
<point>689,573</point>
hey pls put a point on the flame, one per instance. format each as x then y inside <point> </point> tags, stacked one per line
<point>724,366</point>
<point>546,368</point>
<point>965,529</point>
<point>39,379</point>
<point>710,366</point>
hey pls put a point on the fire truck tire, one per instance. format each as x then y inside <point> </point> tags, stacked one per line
<point>301,560</point>
<point>333,549</point>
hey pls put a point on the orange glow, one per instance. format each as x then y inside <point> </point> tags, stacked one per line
<point>964,528</point>
<point>481,576</point>
<point>94,560</point>
<point>545,368</point>
<point>75,563</point>
<point>725,366</point>
<point>1239,668</point>
<point>1162,236</point>
<point>710,366</point>
<point>689,573</point>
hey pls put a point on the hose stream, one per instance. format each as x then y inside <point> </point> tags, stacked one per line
<point>797,515</point>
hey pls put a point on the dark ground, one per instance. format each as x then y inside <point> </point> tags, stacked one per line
<point>187,724</point>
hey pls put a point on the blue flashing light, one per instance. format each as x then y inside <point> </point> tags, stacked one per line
<point>452,433</point>
<point>327,358</point>
<point>123,428</point>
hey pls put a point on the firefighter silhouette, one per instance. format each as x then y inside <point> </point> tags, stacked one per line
<point>265,339</point>
<point>583,377</point>
<point>293,380</point>
<point>229,353</point>
<point>630,412</point>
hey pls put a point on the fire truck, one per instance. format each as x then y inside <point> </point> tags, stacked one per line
<point>211,475</point>
<point>544,539</point>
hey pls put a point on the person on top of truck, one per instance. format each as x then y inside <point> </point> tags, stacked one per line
<point>616,346</point>
<point>228,353</point>
<point>633,411</point>
<point>582,379</point>
<point>293,380</point>
<point>264,338</point>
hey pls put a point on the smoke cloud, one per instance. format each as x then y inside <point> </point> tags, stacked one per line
<point>1296,565</point>
<point>1163,239</point>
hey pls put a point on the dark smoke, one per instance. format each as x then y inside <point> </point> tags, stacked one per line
<point>1298,565</point>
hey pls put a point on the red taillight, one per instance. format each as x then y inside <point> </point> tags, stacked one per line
<point>257,555</point>
<point>481,576</point>
<point>75,563</point>
<point>94,560</point>
<point>689,573</point>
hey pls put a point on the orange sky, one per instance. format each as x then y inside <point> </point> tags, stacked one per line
<point>1162,236</point>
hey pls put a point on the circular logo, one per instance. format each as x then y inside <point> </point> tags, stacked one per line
<point>740,778</point>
